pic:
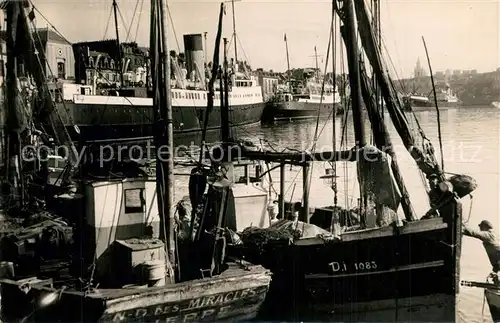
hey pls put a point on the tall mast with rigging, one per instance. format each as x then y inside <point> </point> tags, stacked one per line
<point>317,67</point>
<point>120,56</point>
<point>234,34</point>
<point>289,72</point>
<point>354,78</point>
<point>163,134</point>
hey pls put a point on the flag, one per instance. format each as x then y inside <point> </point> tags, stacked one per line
<point>284,38</point>
<point>224,8</point>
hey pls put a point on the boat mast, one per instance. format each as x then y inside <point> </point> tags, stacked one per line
<point>289,72</point>
<point>120,66</point>
<point>14,119</point>
<point>234,37</point>
<point>334,130</point>
<point>224,108</point>
<point>317,66</point>
<point>163,134</point>
<point>354,79</point>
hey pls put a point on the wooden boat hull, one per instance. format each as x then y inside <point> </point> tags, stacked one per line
<point>233,296</point>
<point>493,299</point>
<point>376,275</point>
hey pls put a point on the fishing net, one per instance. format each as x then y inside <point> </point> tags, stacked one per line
<point>463,184</point>
<point>257,237</point>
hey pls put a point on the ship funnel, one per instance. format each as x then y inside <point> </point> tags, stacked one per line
<point>195,57</point>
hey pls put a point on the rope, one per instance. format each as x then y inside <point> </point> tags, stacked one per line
<point>470,209</point>
<point>484,300</point>
<point>138,21</point>
<point>132,21</point>
<point>107,24</point>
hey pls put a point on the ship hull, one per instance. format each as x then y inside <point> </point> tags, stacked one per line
<point>294,110</point>
<point>233,296</point>
<point>493,298</point>
<point>430,106</point>
<point>114,122</point>
<point>372,275</point>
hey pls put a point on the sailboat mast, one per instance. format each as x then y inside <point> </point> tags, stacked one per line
<point>354,79</point>
<point>163,133</point>
<point>289,72</point>
<point>317,66</point>
<point>334,130</point>
<point>13,124</point>
<point>120,66</point>
<point>169,135</point>
<point>224,107</point>
<point>234,35</point>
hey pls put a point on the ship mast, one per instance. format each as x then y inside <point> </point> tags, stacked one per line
<point>317,67</point>
<point>354,77</point>
<point>234,34</point>
<point>289,72</point>
<point>163,134</point>
<point>119,65</point>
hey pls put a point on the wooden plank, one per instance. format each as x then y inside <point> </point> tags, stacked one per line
<point>408,228</point>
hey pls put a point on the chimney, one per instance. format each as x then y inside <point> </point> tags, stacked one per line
<point>194,54</point>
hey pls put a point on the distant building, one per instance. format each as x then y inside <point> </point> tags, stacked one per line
<point>133,63</point>
<point>439,74</point>
<point>57,57</point>
<point>419,70</point>
<point>457,72</point>
<point>269,81</point>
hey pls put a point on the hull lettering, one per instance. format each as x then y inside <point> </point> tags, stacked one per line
<point>361,266</point>
<point>207,307</point>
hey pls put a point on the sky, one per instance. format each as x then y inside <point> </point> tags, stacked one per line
<point>459,34</point>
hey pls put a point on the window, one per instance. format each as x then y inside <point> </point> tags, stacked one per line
<point>112,64</point>
<point>61,70</point>
<point>91,61</point>
<point>134,200</point>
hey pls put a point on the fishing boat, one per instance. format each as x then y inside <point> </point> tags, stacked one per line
<point>445,99</point>
<point>287,106</point>
<point>122,112</point>
<point>306,99</point>
<point>491,293</point>
<point>126,263</point>
<point>364,263</point>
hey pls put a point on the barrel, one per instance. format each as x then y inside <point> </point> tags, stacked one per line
<point>154,272</point>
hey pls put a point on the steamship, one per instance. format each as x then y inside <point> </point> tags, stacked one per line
<point>445,99</point>
<point>302,101</point>
<point>127,113</point>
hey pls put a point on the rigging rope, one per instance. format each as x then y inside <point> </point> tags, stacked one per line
<point>173,28</point>
<point>107,24</point>
<point>132,21</point>
<point>138,21</point>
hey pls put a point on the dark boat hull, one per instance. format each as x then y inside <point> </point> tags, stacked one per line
<point>286,111</point>
<point>430,106</point>
<point>236,296</point>
<point>493,298</point>
<point>114,122</point>
<point>386,275</point>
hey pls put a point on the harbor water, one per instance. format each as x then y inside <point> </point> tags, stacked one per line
<point>470,139</point>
